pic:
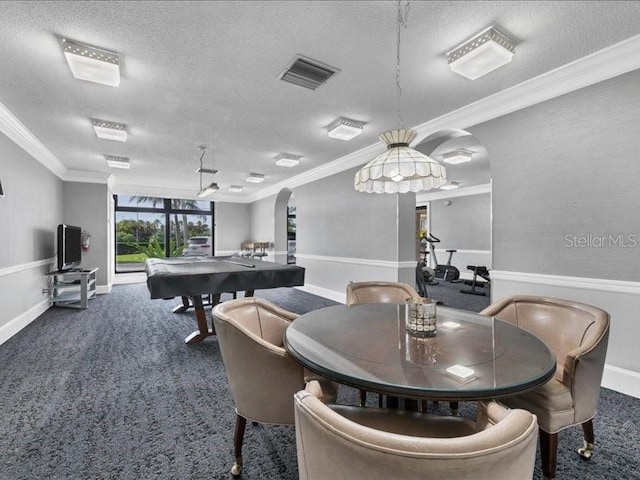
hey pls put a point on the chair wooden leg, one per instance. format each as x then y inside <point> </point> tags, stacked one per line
<point>241,423</point>
<point>549,454</point>
<point>589,440</point>
<point>453,406</point>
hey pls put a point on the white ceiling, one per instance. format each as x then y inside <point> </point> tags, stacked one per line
<point>198,73</point>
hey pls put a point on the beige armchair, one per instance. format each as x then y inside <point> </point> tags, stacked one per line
<point>379,292</point>
<point>578,335</point>
<point>378,444</point>
<point>262,375</point>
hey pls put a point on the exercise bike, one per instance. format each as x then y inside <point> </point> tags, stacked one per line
<point>447,272</point>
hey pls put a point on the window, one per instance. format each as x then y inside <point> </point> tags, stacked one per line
<point>291,234</point>
<point>149,227</point>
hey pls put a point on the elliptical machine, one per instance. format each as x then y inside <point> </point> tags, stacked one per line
<point>447,272</point>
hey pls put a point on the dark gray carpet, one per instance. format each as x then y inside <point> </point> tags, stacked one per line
<point>449,294</point>
<point>112,392</point>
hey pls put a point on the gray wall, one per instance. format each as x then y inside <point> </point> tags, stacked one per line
<point>465,224</point>
<point>333,219</point>
<point>262,220</point>
<point>568,166</point>
<point>29,213</point>
<point>232,225</point>
<point>86,206</point>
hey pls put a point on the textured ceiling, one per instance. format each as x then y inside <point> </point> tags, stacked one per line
<point>198,73</point>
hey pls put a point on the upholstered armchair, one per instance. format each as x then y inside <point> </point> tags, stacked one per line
<point>379,292</point>
<point>262,376</point>
<point>336,441</point>
<point>578,335</point>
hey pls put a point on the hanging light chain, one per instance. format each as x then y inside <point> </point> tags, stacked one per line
<point>403,15</point>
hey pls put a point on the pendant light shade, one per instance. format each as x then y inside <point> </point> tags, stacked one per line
<point>400,169</point>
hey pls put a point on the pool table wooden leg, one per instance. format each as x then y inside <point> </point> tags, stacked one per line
<point>201,317</point>
<point>184,307</point>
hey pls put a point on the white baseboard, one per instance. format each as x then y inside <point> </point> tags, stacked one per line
<point>127,278</point>
<point>621,380</point>
<point>9,329</point>
<point>339,297</point>
<point>103,289</point>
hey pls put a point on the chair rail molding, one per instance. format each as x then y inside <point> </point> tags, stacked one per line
<point>599,284</point>
<point>26,266</point>
<point>358,261</point>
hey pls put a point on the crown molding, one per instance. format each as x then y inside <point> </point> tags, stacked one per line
<point>338,165</point>
<point>22,136</point>
<point>162,192</point>
<point>423,198</point>
<point>599,66</point>
<point>86,176</point>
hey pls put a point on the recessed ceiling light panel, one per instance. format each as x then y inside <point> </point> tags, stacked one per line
<point>117,162</point>
<point>482,54</point>
<point>345,129</point>
<point>457,156</point>
<point>288,160</point>
<point>110,130</point>
<point>92,64</point>
<point>255,178</point>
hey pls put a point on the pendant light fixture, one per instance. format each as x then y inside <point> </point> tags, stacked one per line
<point>213,187</point>
<point>400,168</point>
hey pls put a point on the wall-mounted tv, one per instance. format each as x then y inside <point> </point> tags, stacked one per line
<point>69,247</point>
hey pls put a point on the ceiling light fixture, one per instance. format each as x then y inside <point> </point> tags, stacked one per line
<point>457,156</point>
<point>255,178</point>
<point>450,186</point>
<point>400,168</point>
<point>110,130</point>
<point>234,189</point>
<point>345,129</point>
<point>117,162</point>
<point>288,160</point>
<point>213,187</point>
<point>92,64</point>
<point>482,54</point>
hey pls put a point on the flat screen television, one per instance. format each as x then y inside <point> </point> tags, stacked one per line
<point>69,247</point>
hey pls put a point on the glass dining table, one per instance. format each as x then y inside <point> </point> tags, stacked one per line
<point>471,357</point>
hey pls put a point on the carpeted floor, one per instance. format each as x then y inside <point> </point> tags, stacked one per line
<point>112,392</point>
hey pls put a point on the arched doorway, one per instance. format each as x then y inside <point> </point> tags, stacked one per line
<point>280,225</point>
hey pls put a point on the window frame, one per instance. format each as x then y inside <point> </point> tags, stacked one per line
<point>167,209</point>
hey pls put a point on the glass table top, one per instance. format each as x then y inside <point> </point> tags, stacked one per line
<point>471,356</point>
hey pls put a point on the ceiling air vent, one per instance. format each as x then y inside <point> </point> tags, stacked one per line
<point>307,73</point>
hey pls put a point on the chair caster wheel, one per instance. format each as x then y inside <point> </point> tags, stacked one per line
<point>586,451</point>
<point>236,470</point>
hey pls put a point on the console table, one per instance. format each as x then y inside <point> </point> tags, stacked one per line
<point>73,288</point>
